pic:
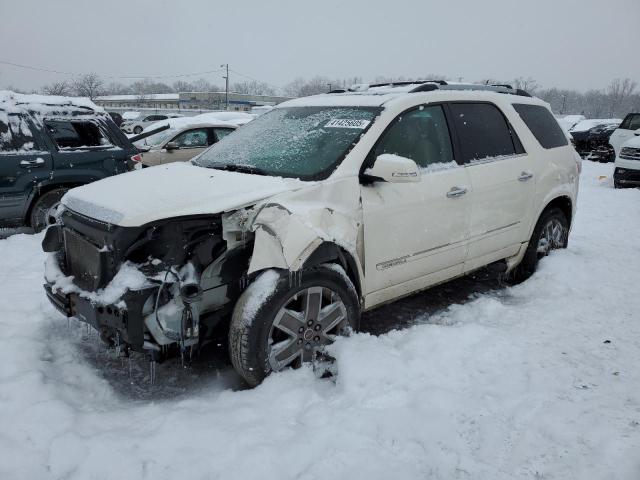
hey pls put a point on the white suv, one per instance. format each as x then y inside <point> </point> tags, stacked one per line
<point>277,237</point>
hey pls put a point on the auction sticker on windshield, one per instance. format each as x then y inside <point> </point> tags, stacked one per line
<point>347,123</point>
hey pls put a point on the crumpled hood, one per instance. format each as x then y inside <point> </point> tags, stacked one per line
<point>172,190</point>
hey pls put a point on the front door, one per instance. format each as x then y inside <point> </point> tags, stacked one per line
<point>415,234</point>
<point>23,165</point>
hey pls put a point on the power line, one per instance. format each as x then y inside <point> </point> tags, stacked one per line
<point>129,77</point>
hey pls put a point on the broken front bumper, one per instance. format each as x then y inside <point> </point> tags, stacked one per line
<point>124,320</point>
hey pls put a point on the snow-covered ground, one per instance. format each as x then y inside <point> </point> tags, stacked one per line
<point>537,381</point>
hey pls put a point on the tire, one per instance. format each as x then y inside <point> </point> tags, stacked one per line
<point>542,242</point>
<point>43,209</point>
<point>137,130</point>
<point>616,184</point>
<point>261,324</point>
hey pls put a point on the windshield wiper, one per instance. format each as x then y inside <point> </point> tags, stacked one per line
<point>241,169</point>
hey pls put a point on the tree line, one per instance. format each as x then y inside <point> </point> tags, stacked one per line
<point>615,100</point>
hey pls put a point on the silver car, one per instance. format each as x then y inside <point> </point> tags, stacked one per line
<point>181,143</point>
<point>138,125</point>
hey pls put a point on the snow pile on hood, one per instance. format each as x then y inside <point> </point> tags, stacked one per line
<point>537,381</point>
<point>172,190</point>
<point>585,125</point>
<point>633,142</point>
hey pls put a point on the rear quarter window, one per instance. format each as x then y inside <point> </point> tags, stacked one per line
<point>15,134</point>
<point>542,124</point>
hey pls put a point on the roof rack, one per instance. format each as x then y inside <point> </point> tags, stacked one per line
<point>407,82</point>
<point>430,85</point>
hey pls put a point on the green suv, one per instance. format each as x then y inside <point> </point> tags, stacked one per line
<point>48,145</point>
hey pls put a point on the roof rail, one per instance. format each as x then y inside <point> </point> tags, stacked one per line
<point>408,82</point>
<point>427,87</point>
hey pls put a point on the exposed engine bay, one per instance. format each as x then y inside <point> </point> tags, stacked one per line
<point>160,289</point>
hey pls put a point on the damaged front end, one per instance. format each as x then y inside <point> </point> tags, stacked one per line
<point>160,289</point>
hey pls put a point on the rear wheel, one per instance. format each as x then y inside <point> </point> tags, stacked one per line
<point>278,323</point>
<point>551,233</point>
<point>44,209</point>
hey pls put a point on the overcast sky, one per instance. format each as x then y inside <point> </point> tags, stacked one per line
<point>578,44</point>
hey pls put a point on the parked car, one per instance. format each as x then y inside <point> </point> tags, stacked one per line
<point>591,138</point>
<point>138,125</point>
<point>182,142</point>
<point>627,167</point>
<point>626,130</point>
<point>48,145</point>
<point>279,236</point>
<point>567,122</point>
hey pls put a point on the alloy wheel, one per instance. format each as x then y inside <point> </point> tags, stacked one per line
<point>552,237</point>
<point>308,321</point>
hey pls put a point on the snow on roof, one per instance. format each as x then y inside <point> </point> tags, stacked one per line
<point>15,102</point>
<point>585,125</point>
<point>151,96</point>
<point>234,119</point>
<point>377,96</point>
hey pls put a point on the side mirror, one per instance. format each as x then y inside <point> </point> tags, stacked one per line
<point>171,146</point>
<point>393,169</point>
<point>637,132</point>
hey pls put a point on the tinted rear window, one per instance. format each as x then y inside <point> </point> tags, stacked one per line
<point>483,132</point>
<point>542,124</point>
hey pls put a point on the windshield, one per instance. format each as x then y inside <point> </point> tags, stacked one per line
<point>301,142</point>
<point>159,138</point>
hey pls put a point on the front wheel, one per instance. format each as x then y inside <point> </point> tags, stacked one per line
<point>137,130</point>
<point>284,320</point>
<point>551,233</point>
<point>44,210</point>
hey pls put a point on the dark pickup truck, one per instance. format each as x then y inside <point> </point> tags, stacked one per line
<point>48,145</point>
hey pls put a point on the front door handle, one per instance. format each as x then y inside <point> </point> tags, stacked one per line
<point>38,162</point>
<point>524,176</point>
<point>456,192</point>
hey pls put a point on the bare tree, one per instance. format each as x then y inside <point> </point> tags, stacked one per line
<point>253,87</point>
<point>88,85</point>
<point>57,88</point>
<point>618,91</point>
<point>116,88</point>
<point>528,84</point>
<point>181,86</point>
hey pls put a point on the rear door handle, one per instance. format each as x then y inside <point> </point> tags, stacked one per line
<point>32,163</point>
<point>456,192</point>
<point>524,176</point>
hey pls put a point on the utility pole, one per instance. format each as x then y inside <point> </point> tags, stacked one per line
<point>226,94</point>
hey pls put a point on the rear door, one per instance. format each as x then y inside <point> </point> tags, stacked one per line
<point>502,178</point>
<point>24,163</point>
<point>625,131</point>
<point>184,147</point>
<point>84,149</point>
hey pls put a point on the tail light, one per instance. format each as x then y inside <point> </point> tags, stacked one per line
<point>137,157</point>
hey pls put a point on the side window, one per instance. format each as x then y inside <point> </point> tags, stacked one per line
<point>192,139</point>
<point>76,134</point>
<point>634,123</point>
<point>15,134</point>
<point>542,124</point>
<point>222,132</point>
<point>421,135</point>
<point>483,132</point>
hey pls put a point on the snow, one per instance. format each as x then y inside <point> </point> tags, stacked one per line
<point>585,125</point>
<point>568,121</point>
<point>536,381</point>
<point>14,102</point>
<point>189,189</point>
<point>152,96</point>
<point>633,142</point>
<point>260,291</point>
